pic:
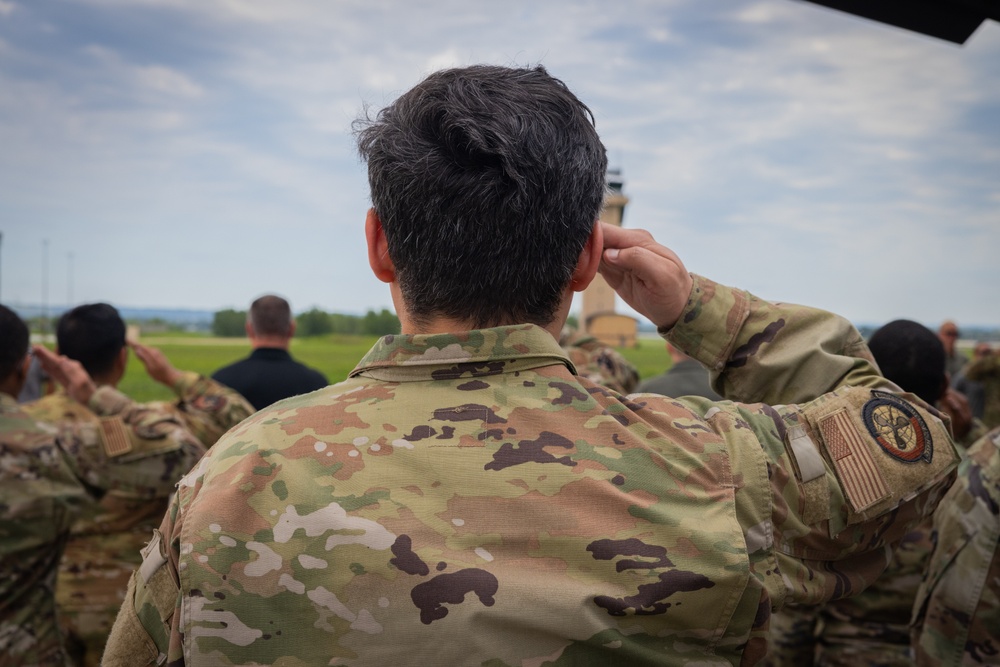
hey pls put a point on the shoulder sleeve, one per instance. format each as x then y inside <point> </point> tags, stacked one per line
<point>209,408</point>
<point>759,351</point>
<point>135,448</point>
<point>846,476</point>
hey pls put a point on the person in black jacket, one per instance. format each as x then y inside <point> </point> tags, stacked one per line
<point>270,373</point>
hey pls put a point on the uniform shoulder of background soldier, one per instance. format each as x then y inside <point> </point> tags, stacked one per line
<point>599,363</point>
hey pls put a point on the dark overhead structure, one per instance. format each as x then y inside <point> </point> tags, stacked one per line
<point>953,20</point>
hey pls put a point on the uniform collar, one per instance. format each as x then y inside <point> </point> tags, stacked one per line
<point>473,353</point>
<point>270,353</point>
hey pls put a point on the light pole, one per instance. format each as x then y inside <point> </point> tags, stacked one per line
<point>69,280</point>
<point>45,287</point>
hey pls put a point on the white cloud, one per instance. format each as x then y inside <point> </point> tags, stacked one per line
<point>166,80</point>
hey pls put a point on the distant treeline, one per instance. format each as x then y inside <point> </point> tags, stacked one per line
<point>315,322</point>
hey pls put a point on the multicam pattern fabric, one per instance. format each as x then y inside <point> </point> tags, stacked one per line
<point>956,617</point>
<point>47,477</point>
<point>871,628</point>
<point>466,499</point>
<point>106,540</point>
<point>598,362</point>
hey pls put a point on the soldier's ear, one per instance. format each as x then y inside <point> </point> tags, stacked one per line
<point>589,261</point>
<point>378,249</point>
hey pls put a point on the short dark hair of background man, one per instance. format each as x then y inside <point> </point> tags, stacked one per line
<point>270,373</point>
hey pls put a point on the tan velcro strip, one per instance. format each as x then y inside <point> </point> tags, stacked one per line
<point>816,495</point>
<point>859,474</point>
<point>115,437</point>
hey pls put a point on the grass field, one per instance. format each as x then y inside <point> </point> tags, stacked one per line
<point>334,355</point>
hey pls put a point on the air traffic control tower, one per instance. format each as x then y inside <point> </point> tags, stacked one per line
<point>599,318</point>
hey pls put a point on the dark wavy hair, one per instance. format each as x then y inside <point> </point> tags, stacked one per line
<point>488,181</point>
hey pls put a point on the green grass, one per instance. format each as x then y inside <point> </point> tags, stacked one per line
<point>335,356</point>
<point>650,357</point>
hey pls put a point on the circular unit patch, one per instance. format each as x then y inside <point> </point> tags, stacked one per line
<point>898,428</point>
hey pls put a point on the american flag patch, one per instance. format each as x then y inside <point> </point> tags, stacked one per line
<point>859,474</point>
<point>114,436</point>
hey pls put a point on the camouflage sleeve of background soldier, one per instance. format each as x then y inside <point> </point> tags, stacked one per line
<point>131,447</point>
<point>209,408</point>
<point>598,362</point>
<point>771,353</point>
<point>983,368</point>
<point>956,614</point>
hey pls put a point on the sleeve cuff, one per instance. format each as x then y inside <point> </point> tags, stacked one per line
<point>185,382</point>
<point>710,322</point>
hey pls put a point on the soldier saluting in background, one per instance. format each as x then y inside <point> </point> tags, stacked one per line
<point>49,473</point>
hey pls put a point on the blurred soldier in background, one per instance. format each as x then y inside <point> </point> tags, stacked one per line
<point>270,373</point>
<point>598,362</point>
<point>985,370</point>
<point>105,543</point>
<point>954,360</point>
<point>974,391</point>
<point>956,615</point>
<point>50,472</point>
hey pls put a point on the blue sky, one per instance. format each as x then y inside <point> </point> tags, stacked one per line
<point>198,153</point>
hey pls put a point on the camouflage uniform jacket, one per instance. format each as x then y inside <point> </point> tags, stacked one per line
<point>956,616</point>
<point>106,540</point>
<point>466,499</point>
<point>47,474</point>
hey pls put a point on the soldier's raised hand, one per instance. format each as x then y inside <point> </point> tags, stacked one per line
<point>156,363</point>
<point>68,372</point>
<point>648,276</point>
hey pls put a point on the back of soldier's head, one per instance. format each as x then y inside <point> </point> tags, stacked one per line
<point>912,356</point>
<point>93,334</point>
<point>13,341</point>
<point>270,315</point>
<point>487,181</point>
